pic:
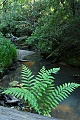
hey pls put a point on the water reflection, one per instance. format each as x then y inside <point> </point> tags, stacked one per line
<point>66,112</point>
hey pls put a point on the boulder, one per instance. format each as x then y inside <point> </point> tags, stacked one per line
<point>21,54</point>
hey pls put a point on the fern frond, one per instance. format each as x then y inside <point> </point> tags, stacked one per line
<point>42,81</point>
<point>53,70</point>
<point>51,98</point>
<point>43,89</point>
<point>27,78</point>
<point>43,69</point>
<point>23,94</point>
<point>63,91</point>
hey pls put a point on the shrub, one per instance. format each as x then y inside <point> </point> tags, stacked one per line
<point>7,53</point>
<point>39,92</point>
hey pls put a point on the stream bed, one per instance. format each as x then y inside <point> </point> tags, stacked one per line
<point>67,109</point>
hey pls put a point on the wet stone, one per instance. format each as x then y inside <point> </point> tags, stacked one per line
<point>21,54</point>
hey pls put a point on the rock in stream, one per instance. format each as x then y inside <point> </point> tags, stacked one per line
<point>21,54</point>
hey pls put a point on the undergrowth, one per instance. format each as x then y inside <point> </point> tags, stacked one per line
<point>7,53</point>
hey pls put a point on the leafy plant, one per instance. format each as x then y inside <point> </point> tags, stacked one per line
<point>39,92</point>
<point>7,53</point>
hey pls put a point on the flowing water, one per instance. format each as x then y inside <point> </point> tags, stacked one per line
<point>69,109</point>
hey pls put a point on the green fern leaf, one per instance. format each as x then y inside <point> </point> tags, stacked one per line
<point>23,94</point>
<point>64,91</point>
<point>27,78</point>
<point>54,70</point>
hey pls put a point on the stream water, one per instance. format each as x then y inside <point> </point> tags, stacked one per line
<point>67,109</point>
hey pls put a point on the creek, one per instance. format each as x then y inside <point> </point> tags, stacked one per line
<point>67,109</point>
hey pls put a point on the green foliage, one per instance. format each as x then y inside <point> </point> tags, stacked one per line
<point>11,17</point>
<point>24,94</point>
<point>20,17</point>
<point>69,48</point>
<point>7,53</point>
<point>58,33</point>
<point>27,78</point>
<point>45,36</point>
<point>39,92</point>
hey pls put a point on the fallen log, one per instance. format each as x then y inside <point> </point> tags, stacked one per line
<point>13,114</point>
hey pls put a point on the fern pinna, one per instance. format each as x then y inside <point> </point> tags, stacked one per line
<point>27,78</point>
<point>39,91</point>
